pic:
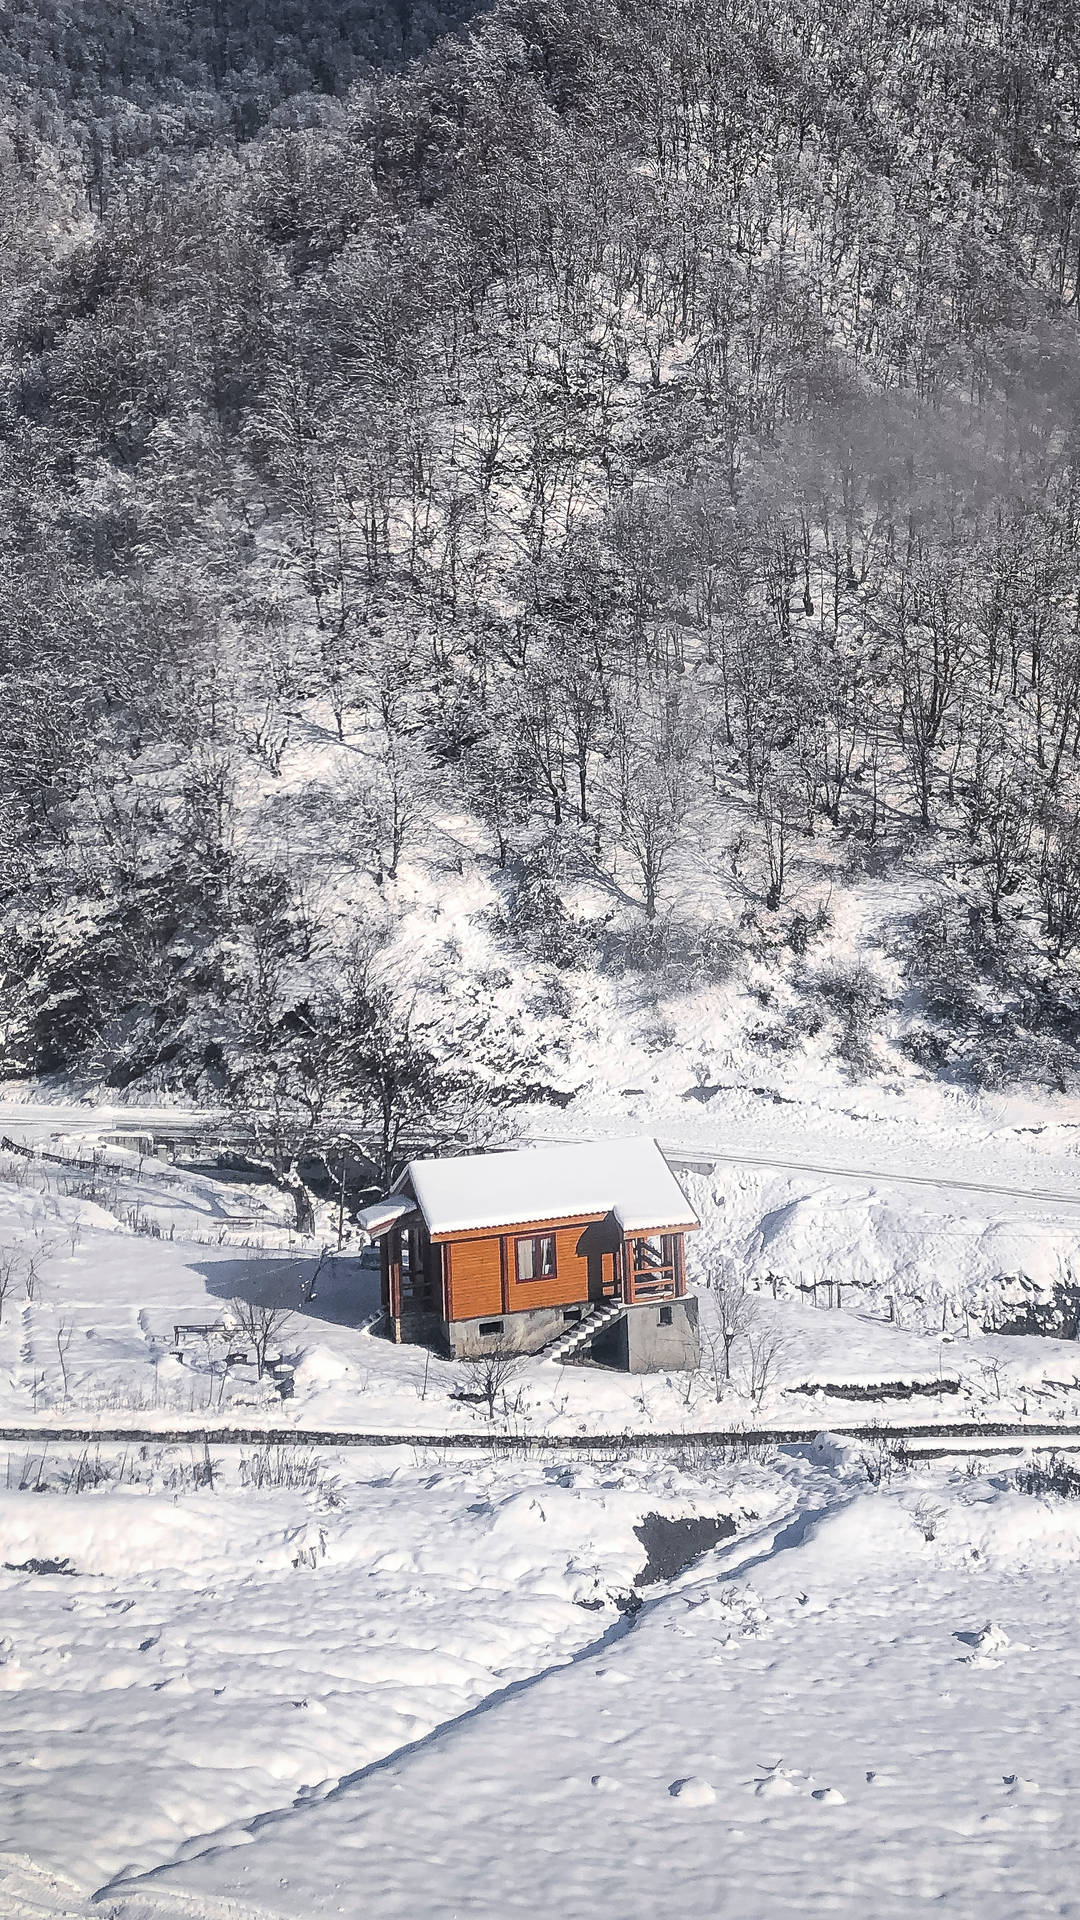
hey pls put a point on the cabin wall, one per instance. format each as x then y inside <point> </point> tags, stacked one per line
<point>483,1273</point>
<point>521,1332</point>
<point>475,1278</point>
<point>571,1282</point>
<point>483,1270</point>
<point>659,1338</point>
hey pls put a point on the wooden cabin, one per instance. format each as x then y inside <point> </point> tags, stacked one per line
<point>541,1248</point>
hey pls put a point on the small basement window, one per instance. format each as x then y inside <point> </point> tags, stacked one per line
<point>488,1327</point>
<point>664,1317</point>
<point>534,1258</point>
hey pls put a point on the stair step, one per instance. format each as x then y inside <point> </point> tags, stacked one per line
<point>584,1330</point>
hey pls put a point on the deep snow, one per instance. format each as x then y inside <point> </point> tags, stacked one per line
<point>838,1716</point>
<point>864,1703</point>
<point>397,1682</point>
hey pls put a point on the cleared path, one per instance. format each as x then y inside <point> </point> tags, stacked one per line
<point>704,1159</point>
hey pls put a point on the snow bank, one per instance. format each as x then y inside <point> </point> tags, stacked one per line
<point>123,1533</point>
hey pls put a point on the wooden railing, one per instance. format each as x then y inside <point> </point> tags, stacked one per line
<point>658,1283</point>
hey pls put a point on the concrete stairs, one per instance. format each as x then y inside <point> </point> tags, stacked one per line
<point>583,1332</point>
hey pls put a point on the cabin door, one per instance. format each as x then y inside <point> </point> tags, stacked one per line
<point>604,1283</point>
<point>598,1268</point>
<point>600,1245</point>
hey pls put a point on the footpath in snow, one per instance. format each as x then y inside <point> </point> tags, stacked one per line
<point>867,1702</point>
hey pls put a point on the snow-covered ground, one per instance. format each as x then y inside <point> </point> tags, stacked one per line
<point>837,1716</point>
<point>409,1689</point>
<point>861,1282</point>
<point>290,1684</point>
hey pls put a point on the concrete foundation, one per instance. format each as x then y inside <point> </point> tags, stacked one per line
<point>521,1332</point>
<point>654,1339</point>
<point>416,1329</point>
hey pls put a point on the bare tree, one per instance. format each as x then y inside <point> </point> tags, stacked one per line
<point>733,1307</point>
<point>262,1327</point>
<point>654,797</point>
<point>388,801</point>
<point>1000,821</point>
<point>1059,877</point>
<point>714,1359</point>
<point>63,1342</point>
<point>929,614</point>
<point>766,1350</point>
<point>489,1374</point>
<point>777,805</point>
<point>13,1267</point>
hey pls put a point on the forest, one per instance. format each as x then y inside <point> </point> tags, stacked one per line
<point>617,467</point>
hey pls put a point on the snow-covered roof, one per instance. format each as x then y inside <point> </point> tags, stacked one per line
<point>384,1214</point>
<point>629,1178</point>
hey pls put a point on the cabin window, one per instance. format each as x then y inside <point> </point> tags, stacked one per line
<point>534,1259</point>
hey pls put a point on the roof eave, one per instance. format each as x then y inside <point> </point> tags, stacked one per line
<point>543,1223</point>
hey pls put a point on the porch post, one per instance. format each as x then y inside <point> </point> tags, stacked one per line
<point>392,1244</point>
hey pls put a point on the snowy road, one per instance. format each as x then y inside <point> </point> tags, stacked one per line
<point>33,1122</point>
<point>704,1160</point>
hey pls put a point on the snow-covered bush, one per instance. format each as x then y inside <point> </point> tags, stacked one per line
<point>1055,1473</point>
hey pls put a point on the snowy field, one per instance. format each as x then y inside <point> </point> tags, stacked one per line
<point>104,1264</point>
<point>409,1689</point>
<point>288,1684</point>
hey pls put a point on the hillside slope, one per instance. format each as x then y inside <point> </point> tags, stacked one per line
<point>568,552</point>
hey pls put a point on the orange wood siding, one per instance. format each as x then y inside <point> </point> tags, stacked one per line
<point>475,1278</point>
<point>483,1278</point>
<point>571,1282</point>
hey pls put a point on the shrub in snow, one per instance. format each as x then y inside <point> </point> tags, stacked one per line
<point>1054,1474</point>
<point>486,1377</point>
<point>766,1351</point>
<point>682,954</point>
<point>856,999</point>
<point>883,1457</point>
<point>927,1518</point>
<point>275,1465</point>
